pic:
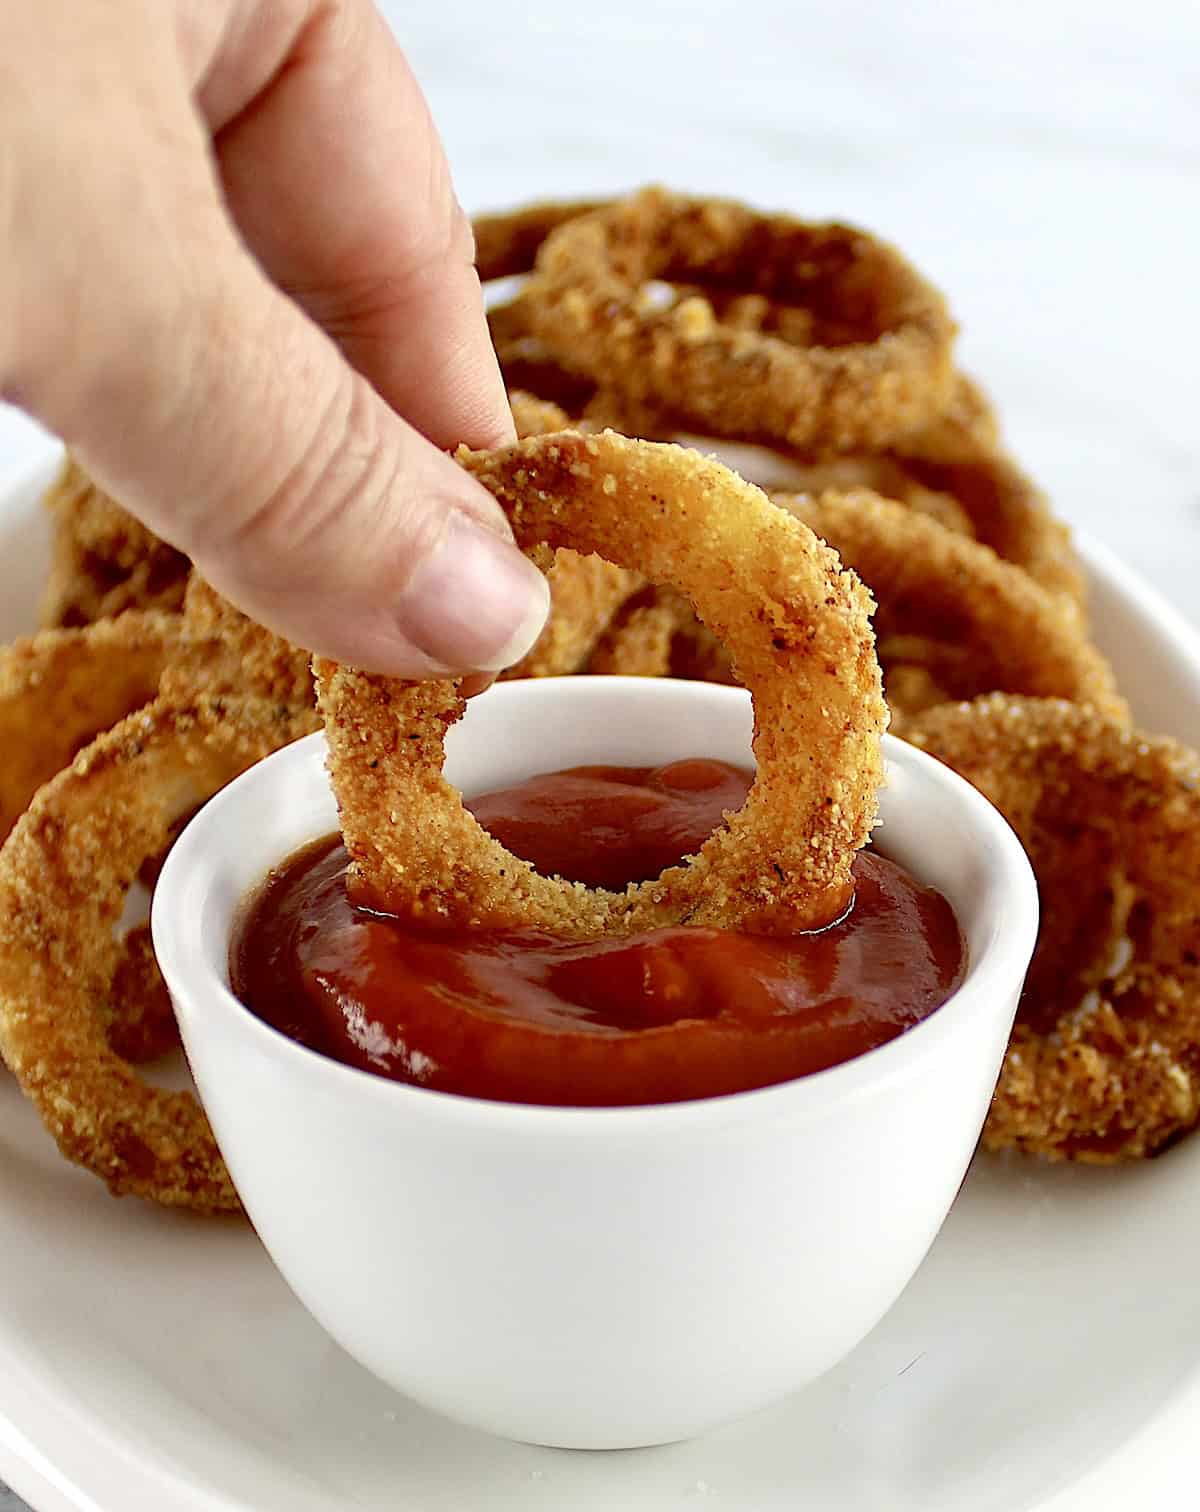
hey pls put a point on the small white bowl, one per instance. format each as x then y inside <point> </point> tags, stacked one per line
<point>582,1277</point>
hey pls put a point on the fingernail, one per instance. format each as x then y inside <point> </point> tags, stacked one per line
<point>476,602</point>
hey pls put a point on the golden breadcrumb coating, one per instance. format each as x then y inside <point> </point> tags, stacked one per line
<point>1104,1062</point>
<point>798,626</point>
<point>60,688</point>
<point>64,874</point>
<point>103,560</point>
<point>858,352</point>
<point>221,650</point>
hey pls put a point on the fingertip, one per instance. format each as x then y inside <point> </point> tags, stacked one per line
<point>476,683</point>
<point>474,601</point>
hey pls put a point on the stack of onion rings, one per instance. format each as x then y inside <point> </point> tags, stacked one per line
<point>948,461</point>
<point>954,470</point>
<point>953,619</point>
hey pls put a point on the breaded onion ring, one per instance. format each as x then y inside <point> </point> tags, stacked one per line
<point>103,561</point>
<point>799,629</point>
<point>64,874</point>
<point>1104,1062</point>
<point>223,651</point>
<point>953,469</point>
<point>507,241</point>
<point>975,623</point>
<point>141,1023</point>
<point>870,361</point>
<point>640,638</point>
<point>527,364</point>
<point>953,621</point>
<point>535,416</point>
<point>585,591</point>
<point>1008,512</point>
<point>506,244</point>
<point>60,688</point>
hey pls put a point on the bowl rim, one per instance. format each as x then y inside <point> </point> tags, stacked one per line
<point>991,982</point>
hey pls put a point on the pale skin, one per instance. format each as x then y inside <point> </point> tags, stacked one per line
<point>235,279</point>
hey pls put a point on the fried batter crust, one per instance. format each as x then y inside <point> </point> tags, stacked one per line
<point>223,651</point>
<point>869,362</point>
<point>799,629</point>
<point>60,688</point>
<point>103,560</point>
<point>1104,1061</point>
<point>585,591</point>
<point>64,874</point>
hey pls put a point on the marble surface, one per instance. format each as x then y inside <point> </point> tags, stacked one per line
<point>1040,163</point>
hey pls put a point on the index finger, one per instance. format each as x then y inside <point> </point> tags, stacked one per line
<point>338,180</point>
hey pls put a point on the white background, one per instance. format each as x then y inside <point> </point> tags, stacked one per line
<point>1040,161</point>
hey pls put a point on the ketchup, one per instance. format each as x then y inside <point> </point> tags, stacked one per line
<point>525,1016</point>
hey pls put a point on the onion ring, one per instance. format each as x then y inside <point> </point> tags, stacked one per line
<point>104,561</point>
<point>953,620</point>
<point>639,640</point>
<point>60,688</point>
<point>1007,511</point>
<point>873,366</point>
<point>585,591</point>
<point>64,873</point>
<point>978,624</point>
<point>1104,1062</point>
<point>506,245</point>
<point>223,651</point>
<point>526,363</point>
<point>507,241</point>
<point>953,469</point>
<point>799,629</point>
<point>141,1023</point>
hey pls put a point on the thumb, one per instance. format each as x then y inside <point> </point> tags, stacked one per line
<point>236,429</point>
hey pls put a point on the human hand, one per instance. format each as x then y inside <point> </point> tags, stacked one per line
<point>235,279</point>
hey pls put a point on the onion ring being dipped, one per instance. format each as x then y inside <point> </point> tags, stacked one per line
<point>1104,1062</point>
<point>799,629</point>
<point>585,591</point>
<point>64,874</point>
<point>61,688</point>
<point>872,362</point>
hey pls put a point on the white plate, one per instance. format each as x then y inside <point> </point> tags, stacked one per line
<point>1047,1355</point>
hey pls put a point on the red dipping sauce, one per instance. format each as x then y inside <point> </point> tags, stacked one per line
<point>523,1016</point>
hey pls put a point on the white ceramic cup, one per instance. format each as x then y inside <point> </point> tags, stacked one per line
<point>596,1277</point>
